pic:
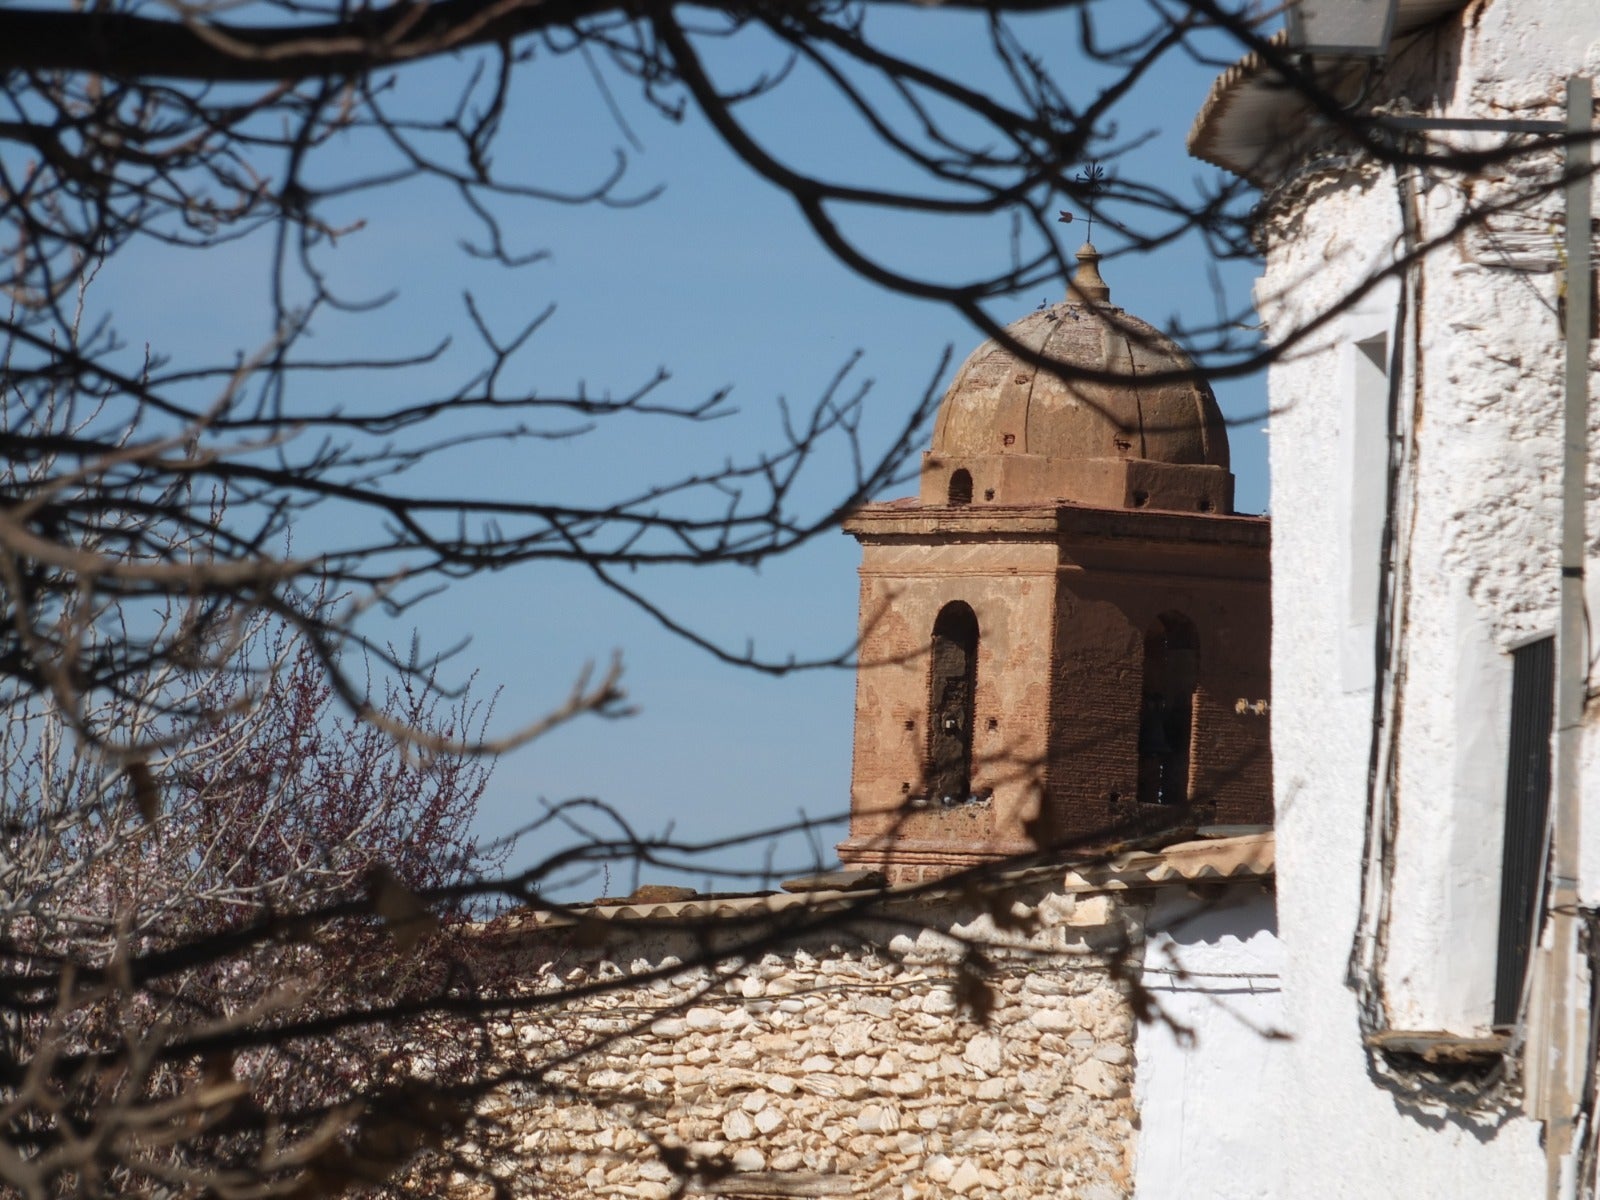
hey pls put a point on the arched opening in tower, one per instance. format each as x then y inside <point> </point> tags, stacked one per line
<point>1166,718</point>
<point>952,687</point>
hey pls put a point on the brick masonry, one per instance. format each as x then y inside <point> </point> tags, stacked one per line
<point>1064,596</point>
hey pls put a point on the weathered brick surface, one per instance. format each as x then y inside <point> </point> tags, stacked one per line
<point>1010,587</point>
<point>1064,597</point>
<point>1111,598</point>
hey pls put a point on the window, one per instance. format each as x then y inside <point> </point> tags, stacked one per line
<point>1166,716</point>
<point>952,685</point>
<point>1527,811</point>
<point>1364,462</point>
<point>961,487</point>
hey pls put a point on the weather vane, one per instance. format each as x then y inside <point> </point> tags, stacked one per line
<point>1090,180</point>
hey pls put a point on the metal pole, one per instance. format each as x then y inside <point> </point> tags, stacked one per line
<point>1567,1023</point>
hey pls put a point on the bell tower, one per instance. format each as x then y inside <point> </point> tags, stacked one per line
<point>1065,634</point>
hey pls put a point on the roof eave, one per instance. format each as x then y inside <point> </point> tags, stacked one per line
<point>1253,126</point>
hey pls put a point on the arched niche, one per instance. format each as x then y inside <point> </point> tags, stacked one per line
<point>960,487</point>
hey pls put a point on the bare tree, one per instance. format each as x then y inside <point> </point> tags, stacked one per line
<point>273,808</point>
<point>188,128</point>
<point>197,840</point>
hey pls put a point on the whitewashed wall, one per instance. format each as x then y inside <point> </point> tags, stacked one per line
<point>1211,1064</point>
<point>1483,577</point>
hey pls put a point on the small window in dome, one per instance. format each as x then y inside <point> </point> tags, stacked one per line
<point>961,487</point>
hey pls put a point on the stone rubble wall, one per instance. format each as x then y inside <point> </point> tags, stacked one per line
<point>845,1070</point>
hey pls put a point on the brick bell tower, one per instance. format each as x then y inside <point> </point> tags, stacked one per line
<point>1066,633</point>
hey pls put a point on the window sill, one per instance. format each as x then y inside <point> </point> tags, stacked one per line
<point>1440,1049</point>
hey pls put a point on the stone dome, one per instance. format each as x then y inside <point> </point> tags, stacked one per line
<point>1023,435</point>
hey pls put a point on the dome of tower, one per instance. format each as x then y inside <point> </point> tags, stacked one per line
<point>1011,432</point>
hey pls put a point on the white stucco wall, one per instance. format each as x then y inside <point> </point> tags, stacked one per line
<point>1209,1064</point>
<point>1481,381</point>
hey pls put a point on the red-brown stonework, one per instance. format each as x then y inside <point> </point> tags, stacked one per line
<point>1072,587</point>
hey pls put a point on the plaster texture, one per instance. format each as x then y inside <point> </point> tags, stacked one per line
<point>1478,389</point>
<point>1211,1063</point>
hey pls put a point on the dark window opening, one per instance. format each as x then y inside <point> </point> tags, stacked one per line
<point>1527,813</point>
<point>952,685</point>
<point>1166,715</point>
<point>961,487</point>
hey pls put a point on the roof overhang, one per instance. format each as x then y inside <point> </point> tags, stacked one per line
<point>1255,125</point>
<point>1234,854</point>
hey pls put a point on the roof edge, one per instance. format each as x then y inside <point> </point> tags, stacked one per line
<point>1238,857</point>
<point>1252,126</point>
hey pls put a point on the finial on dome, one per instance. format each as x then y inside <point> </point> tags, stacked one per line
<point>1086,283</point>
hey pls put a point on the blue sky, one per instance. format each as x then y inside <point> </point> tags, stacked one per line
<point>719,281</point>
